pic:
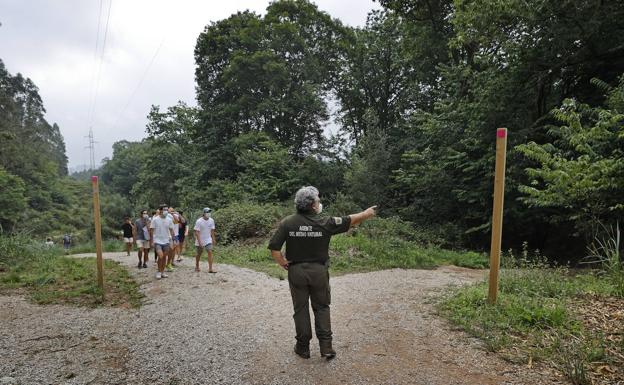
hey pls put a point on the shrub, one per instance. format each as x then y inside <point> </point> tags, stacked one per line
<point>248,220</point>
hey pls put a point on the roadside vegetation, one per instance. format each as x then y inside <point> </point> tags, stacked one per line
<point>46,276</point>
<point>569,319</point>
<point>381,243</point>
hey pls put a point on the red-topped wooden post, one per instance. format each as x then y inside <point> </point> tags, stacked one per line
<point>98,232</point>
<point>497,213</point>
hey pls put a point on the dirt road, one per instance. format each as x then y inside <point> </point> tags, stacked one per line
<point>235,327</point>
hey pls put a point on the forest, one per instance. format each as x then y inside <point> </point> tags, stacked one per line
<point>401,113</point>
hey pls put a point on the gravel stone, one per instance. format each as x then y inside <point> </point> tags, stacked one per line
<point>235,327</point>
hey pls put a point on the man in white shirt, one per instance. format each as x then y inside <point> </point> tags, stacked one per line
<point>161,234</point>
<point>204,238</point>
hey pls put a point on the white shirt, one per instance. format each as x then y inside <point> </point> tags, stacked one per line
<point>205,228</point>
<point>162,227</point>
<point>176,226</point>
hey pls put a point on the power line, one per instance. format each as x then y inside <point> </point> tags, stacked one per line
<point>99,72</point>
<point>140,82</point>
<point>93,71</point>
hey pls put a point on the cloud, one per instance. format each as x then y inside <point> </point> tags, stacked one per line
<point>53,43</point>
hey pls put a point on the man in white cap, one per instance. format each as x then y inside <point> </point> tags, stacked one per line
<point>204,238</point>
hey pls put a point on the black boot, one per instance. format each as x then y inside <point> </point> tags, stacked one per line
<point>302,351</point>
<point>326,350</point>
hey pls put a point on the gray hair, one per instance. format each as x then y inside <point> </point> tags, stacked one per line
<point>305,198</point>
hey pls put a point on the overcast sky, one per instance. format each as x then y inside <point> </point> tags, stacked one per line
<point>147,58</point>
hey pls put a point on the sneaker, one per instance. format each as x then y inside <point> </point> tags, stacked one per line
<point>144,265</point>
<point>169,268</point>
<point>159,275</point>
<point>302,351</point>
<point>165,275</point>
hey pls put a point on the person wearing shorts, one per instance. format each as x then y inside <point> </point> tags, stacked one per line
<point>161,233</point>
<point>155,213</point>
<point>182,233</point>
<point>141,236</point>
<point>128,230</point>
<point>204,238</point>
<point>175,240</point>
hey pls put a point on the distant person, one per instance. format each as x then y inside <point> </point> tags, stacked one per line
<point>161,233</point>
<point>67,240</point>
<point>49,242</point>
<point>175,240</point>
<point>182,234</point>
<point>204,238</point>
<point>154,214</point>
<point>128,230</point>
<point>307,235</point>
<point>142,238</point>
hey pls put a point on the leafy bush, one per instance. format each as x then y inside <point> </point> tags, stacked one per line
<point>248,220</point>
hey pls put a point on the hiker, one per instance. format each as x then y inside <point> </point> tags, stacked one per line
<point>173,241</point>
<point>128,230</point>
<point>307,235</point>
<point>204,238</point>
<point>142,237</point>
<point>154,214</point>
<point>182,234</point>
<point>49,242</point>
<point>67,239</point>
<point>161,233</point>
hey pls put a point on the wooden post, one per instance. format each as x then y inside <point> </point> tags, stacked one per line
<point>497,212</point>
<point>98,232</point>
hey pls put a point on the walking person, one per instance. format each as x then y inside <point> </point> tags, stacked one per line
<point>67,240</point>
<point>182,234</point>
<point>161,233</point>
<point>307,235</point>
<point>173,215</point>
<point>128,230</point>
<point>142,238</point>
<point>204,238</point>
<point>154,214</point>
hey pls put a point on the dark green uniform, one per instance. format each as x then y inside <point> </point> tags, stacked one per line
<point>307,251</point>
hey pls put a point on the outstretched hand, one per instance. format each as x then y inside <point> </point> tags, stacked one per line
<point>371,211</point>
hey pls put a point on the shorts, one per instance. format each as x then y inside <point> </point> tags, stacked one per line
<point>142,244</point>
<point>128,240</point>
<point>176,240</point>
<point>161,247</point>
<point>181,238</point>
<point>207,247</point>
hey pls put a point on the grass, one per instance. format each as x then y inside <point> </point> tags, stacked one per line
<point>109,245</point>
<point>350,253</point>
<point>47,277</point>
<point>545,314</point>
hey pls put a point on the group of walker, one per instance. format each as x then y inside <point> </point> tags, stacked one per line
<point>165,232</point>
<point>306,235</point>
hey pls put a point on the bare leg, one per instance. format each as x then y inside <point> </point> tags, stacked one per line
<point>145,255</point>
<point>128,248</point>
<point>197,257</point>
<point>161,261</point>
<point>170,255</point>
<point>140,253</point>
<point>210,260</point>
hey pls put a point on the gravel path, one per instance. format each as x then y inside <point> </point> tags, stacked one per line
<point>235,327</point>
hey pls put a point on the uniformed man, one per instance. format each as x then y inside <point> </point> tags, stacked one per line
<point>307,236</point>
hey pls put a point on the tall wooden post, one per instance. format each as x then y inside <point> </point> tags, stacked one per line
<point>98,232</point>
<point>497,213</point>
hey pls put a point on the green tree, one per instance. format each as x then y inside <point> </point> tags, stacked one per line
<point>581,173</point>
<point>12,199</point>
